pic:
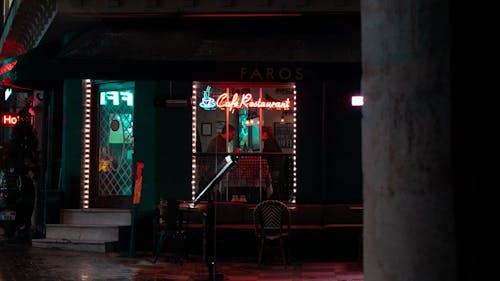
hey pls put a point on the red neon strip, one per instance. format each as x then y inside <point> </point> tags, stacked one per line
<point>8,67</point>
<point>141,15</point>
<point>7,82</point>
<point>238,15</point>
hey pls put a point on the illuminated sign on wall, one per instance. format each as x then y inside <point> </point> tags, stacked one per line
<point>357,101</point>
<point>207,102</point>
<point>271,73</point>
<point>238,101</point>
<point>10,119</point>
<point>117,97</point>
<point>8,92</point>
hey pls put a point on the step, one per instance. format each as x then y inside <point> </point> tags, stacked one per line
<point>74,232</point>
<point>95,246</point>
<point>121,217</point>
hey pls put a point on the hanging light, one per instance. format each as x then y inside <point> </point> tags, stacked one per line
<point>251,119</point>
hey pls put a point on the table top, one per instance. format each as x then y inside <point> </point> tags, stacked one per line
<point>189,207</point>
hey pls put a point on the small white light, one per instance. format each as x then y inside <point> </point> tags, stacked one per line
<point>357,101</point>
<point>8,92</point>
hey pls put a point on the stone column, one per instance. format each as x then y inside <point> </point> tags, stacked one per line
<point>408,199</point>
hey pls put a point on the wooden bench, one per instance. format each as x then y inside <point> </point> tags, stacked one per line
<point>303,216</point>
<point>321,225</point>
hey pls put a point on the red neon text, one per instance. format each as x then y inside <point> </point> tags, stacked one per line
<point>11,119</point>
<point>246,100</point>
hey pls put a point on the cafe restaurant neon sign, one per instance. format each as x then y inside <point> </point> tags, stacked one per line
<point>238,101</point>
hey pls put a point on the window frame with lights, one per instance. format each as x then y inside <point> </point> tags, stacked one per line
<point>247,107</point>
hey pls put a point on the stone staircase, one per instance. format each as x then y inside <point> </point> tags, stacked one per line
<point>89,230</point>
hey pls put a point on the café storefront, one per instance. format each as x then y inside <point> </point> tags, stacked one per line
<point>146,106</point>
<point>250,108</point>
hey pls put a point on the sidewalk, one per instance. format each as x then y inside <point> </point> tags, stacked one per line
<point>18,262</point>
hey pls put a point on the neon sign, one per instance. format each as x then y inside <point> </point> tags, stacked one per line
<point>207,102</point>
<point>7,67</point>
<point>8,92</point>
<point>116,97</point>
<point>238,101</point>
<point>11,119</point>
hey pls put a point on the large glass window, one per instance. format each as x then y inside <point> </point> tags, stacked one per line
<point>256,121</point>
<point>116,137</point>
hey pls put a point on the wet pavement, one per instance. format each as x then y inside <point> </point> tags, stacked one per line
<point>19,262</point>
<point>23,262</point>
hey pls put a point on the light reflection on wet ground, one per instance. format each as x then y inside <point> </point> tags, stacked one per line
<point>19,263</point>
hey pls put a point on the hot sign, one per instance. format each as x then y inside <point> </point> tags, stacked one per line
<point>10,119</point>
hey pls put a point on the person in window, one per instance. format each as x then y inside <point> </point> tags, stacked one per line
<point>270,144</point>
<point>217,149</point>
<point>276,161</point>
<point>219,143</point>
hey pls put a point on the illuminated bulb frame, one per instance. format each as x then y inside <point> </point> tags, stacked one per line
<point>294,152</point>
<point>293,198</point>
<point>85,169</point>
<point>193,142</point>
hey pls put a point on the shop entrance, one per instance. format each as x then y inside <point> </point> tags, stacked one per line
<point>116,144</point>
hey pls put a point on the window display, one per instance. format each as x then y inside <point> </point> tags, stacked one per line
<point>244,117</point>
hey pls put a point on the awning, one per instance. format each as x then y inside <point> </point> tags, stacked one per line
<point>220,41</point>
<point>177,51</point>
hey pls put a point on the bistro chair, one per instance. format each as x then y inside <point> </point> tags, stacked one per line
<point>272,227</point>
<point>168,225</point>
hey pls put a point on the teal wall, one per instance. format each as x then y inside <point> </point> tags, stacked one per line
<point>145,140</point>
<point>173,149</point>
<point>71,142</point>
<point>162,140</point>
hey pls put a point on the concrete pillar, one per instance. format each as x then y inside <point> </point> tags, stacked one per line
<point>409,228</point>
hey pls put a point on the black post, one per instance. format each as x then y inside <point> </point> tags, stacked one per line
<point>210,237</point>
<point>210,216</point>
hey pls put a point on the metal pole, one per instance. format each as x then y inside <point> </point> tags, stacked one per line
<point>131,249</point>
<point>47,154</point>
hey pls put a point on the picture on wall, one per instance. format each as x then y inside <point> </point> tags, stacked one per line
<point>206,129</point>
<point>283,133</point>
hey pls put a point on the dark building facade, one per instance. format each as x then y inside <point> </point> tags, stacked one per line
<point>136,62</point>
<point>424,208</point>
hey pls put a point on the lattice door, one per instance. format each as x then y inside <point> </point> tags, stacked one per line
<point>116,144</point>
